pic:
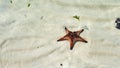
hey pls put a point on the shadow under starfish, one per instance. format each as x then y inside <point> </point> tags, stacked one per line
<point>73,37</point>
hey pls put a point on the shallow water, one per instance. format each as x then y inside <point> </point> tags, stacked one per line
<point>28,35</point>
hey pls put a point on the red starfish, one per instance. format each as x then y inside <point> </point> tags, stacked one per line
<point>72,37</point>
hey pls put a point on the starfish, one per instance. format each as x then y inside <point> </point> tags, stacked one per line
<point>73,37</point>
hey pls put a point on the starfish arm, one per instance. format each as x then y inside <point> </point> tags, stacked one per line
<point>67,31</point>
<point>80,31</point>
<point>63,38</point>
<point>72,42</point>
<point>81,39</point>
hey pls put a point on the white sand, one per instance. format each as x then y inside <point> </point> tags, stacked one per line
<point>28,35</point>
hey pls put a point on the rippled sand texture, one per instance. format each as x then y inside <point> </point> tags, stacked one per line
<point>29,34</point>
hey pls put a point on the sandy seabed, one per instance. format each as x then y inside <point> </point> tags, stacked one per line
<point>29,30</point>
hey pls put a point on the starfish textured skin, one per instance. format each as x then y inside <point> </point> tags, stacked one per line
<point>73,37</point>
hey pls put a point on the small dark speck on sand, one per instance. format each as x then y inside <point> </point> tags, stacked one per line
<point>11,1</point>
<point>25,15</point>
<point>37,47</point>
<point>117,21</point>
<point>85,27</point>
<point>61,64</point>
<point>41,17</point>
<point>29,4</point>
<point>76,17</point>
